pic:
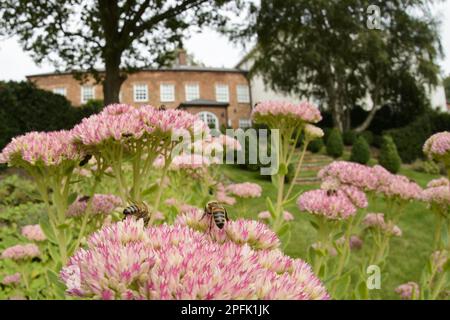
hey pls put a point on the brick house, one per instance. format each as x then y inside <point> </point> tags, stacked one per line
<point>220,96</point>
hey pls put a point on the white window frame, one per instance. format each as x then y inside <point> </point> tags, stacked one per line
<point>222,92</point>
<point>204,115</point>
<point>60,90</point>
<point>243,93</point>
<point>245,123</point>
<point>192,94</point>
<point>167,92</point>
<point>140,92</point>
<point>83,91</point>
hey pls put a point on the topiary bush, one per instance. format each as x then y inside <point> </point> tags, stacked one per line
<point>360,151</point>
<point>389,157</point>
<point>368,135</point>
<point>349,137</point>
<point>316,145</point>
<point>335,145</point>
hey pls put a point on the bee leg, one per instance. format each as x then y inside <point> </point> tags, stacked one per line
<point>203,216</point>
<point>210,225</point>
<point>226,215</point>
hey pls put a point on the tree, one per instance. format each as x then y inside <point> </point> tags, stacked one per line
<point>81,35</point>
<point>341,53</point>
<point>446,83</point>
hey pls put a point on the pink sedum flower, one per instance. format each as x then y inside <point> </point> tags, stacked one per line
<point>21,252</point>
<point>335,206</point>
<point>287,216</point>
<point>408,291</point>
<point>438,145</point>
<point>33,233</point>
<point>350,173</point>
<point>12,279</point>
<point>354,242</point>
<point>266,112</point>
<point>245,190</point>
<point>101,204</point>
<point>264,215</point>
<point>438,183</point>
<point>41,148</point>
<point>377,221</point>
<point>312,132</point>
<point>439,195</point>
<point>128,261</point>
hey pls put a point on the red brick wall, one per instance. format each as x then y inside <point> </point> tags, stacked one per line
<point>206,80</point>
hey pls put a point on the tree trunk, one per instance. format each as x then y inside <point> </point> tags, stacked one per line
<point>366,123</point>
<point>113,79</point>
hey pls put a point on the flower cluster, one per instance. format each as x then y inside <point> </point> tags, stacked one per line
<point>438,183</point>
<point>101,204</point>
<point>240,231</point>
<point>33,233</point>
<point>46,148</point>
<point>304,112</point>
<point>265,215</point>
<point>332,205</point>
<point>376,220</point>
<point>245,190</point>
<point>355,242</point>
<point>21,252</point>
<point>222,195</point>
<point>12,279</point>
<point>438,145</point>
<point>439,195</point>
<point>408,291</point>
<point>312,132</point>
<point>122,122</point>
<point>366,178</point>
<point>127,261</point>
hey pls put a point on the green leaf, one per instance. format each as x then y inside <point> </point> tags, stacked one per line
<point>362,290</point>
<point>342,285</point>
<point>282,169</point>
<point>284,229</point>
<point>150,189</point>
<point>72,197</point>
<point>63,226</point>
<point>314,224</point>
<point>47,229</point>
<point>270,207</point>
<point>54,254</point>
<point>59,287</point>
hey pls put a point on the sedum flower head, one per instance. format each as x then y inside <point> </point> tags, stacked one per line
<point>41,148</point>
<point>437,146</point>
<point>245,190</point>
<point>408,291</point>
<point>12,279</point>
<point>276,113</point>
<point>335,206</point>
<point>21,252</point>
<point>101,204</point>
<point>127,261</point>
<point>33,233</point>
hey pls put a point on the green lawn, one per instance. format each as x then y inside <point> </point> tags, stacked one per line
<point>408,253</point>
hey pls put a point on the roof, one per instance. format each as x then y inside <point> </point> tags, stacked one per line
<point>176,68</point>
<point>203,102</point>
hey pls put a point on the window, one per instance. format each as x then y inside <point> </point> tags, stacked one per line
<point>167,92</point>
<point>61,91</point>
<point>222,94</point>
<point>210,119</point>
<point>243,95</point>
<point>140,92</point>
<point>245,123</point>
<point>192,91</point>
<point>87,93</point>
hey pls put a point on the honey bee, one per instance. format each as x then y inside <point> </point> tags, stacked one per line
<point>84,198</point>
<point>217,212</point>
<point>162,108</point>
<point>331,192</point>
<point>140,211</point>
<point>85,160</point>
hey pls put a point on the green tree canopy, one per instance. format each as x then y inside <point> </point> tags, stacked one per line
<point>345,52</point>
<point>120,36</point>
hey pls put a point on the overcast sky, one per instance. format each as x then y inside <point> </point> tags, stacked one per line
<point>208,47</point>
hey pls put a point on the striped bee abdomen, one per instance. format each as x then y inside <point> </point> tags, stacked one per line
<point>138,211</point>
<point>219,218</point>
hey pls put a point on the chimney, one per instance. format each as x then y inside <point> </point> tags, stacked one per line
<point>182,57</point>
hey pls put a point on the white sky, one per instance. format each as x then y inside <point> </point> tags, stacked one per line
<point>208,47</point>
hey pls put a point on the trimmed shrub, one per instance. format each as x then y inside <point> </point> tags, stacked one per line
<point>316,145</point>
<point>360,151</point>
<point>410,139</point>
<point>335,145</point>
<point>326,134</point>
<point>349,137</point>
<point>368,135</point>
<point>427,166</point>
<point>389,157</point>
